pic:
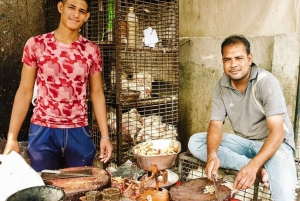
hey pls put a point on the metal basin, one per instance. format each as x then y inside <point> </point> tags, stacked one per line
<point>161,161</point>
<point>39,193</point>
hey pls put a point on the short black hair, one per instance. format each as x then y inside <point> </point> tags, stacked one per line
<point>235,39</point>
<point>88,2</point>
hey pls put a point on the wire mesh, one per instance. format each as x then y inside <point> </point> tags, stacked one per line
<point>52,15</point>
<point>140,71</point>
<point>191,168</point>
<point>109,22</point>
<point>140,80</point>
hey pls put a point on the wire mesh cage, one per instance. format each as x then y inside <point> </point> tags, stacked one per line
<point>52,15</point>
<point>140,70</point>
<point>125,21</point>
<point>189,167</point>
<point>192,168</point>
<point>138,40</point>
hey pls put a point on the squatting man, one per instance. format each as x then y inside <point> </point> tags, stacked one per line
<point>263,141</point>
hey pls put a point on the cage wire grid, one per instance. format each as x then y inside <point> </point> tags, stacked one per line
<point>152,73</point>
<point>190,167</point>
<point>140,82</point>
<point>52,15</point>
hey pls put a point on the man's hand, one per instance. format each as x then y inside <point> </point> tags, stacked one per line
<point>11,145</point>
<point>245,178</point>
<point>212,166</point>
<point>105,149</point>
<point>247,175</point>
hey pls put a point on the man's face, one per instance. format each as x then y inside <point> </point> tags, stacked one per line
<point>236,62</point>
<point>73,13</point>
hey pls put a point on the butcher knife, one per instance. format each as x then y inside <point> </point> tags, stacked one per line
<point>216,187</point>
<point>57,174</point>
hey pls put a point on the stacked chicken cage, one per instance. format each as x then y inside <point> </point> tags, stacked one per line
<point>140,71</point>
<point>52,15</point>
<point>191,168</point>
<point>140,80</point>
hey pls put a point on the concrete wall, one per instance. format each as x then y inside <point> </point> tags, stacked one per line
<point>201,66</point>
<point>207,18</point>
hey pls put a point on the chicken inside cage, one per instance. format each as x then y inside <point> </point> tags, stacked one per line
<point>142,128</point>
<point>140,81</point>
<point>125,21</point>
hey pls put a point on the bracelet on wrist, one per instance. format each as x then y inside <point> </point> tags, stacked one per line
<point>105,137</point>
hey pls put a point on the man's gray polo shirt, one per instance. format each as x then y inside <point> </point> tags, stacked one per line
<point>246,118</point>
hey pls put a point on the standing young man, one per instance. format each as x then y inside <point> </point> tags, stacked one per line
<point>263,140</point>
<point>63,62</point>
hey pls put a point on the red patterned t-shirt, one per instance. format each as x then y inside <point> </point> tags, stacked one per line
<point>62,76</point>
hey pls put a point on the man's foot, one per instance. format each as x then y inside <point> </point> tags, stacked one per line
<point>263,174</point>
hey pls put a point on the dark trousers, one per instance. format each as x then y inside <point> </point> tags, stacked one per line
<point>56,148</point>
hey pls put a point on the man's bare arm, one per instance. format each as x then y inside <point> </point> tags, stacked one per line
<point>247,174</point>
<point>214,139</point>
<point>272,143</point>
<point>99,107</point>
<point>20,108</point>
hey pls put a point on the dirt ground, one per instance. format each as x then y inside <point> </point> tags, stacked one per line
<point>19,20</point>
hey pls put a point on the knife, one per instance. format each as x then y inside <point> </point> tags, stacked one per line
<point>216,187</point>
<point>57,174</point>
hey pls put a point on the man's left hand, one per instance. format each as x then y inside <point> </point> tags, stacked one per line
<point>245,178</point>
<point>105,150</point>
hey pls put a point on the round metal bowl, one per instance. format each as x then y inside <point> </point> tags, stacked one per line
<point>40,193</point>
<point>161,161</point>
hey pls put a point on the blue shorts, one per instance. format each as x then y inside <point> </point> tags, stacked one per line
<point>56,148</point>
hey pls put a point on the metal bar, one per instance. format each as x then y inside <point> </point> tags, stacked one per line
<point>152,72</point>
<point>256,186</point>
<point>297,113</point>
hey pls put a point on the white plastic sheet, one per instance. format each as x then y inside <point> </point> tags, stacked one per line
<point>16,174</point>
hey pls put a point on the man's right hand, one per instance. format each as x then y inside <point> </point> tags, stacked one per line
<point>212,166</point>
<point>10,146</point>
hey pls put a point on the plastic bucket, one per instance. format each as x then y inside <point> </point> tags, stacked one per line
<point>39,193</point>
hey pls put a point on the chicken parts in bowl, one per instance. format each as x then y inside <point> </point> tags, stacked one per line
<point>162,153</point>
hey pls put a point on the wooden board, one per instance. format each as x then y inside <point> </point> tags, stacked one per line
<point>193,190</point>
<point>77,187</point>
